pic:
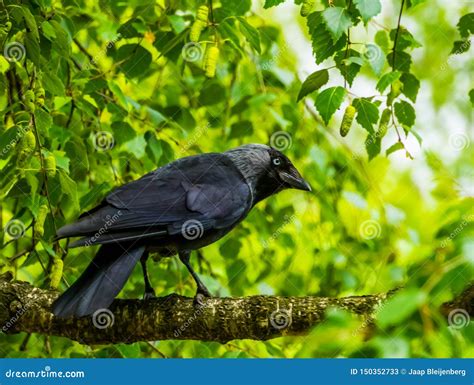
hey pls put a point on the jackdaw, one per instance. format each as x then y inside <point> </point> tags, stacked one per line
<point>182,206</point>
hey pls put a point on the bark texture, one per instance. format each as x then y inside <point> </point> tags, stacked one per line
<point>24,308</point>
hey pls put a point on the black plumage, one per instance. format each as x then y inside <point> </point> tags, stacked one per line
<point>180,207</point>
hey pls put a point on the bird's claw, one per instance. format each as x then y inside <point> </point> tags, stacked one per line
<point>201,296</point>
<point>149,295</point>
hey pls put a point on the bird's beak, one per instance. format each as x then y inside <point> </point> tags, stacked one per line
<point>295,180</point>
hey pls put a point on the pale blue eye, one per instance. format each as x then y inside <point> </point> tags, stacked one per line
<point>276,161</point>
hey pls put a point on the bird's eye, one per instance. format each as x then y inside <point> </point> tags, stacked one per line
<point>276,161</point>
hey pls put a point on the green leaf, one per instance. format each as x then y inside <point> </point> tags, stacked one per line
<point>350,66</point>
<point>375,57</point>
<point>135,60</point>
<point>227,30</point>
<point>405,39</point>
<point>4,64</point>
<point>414,3</point>
<point>43,121</point>
<point>328,101</point>
<point>272,3</point>
<point>367,113</point>
<point>251,34</point>
<point>69,188</point>
<point>373,144</point>
<point>400,307</point>
<point>405,113</point>
<point>466,25</point>
<point>394,147</point>
<point>313,82</point>
<point>337,21</point>
<point>212,93</point>
<point>323,46</point>
<point>177,23</point>
<point>471,96</point>
<point>241,129</point>
<point>153,146</point>
<point>402,61</point>
<point>368,8</point>
<point>32,49</point>
<point>387,80</point>
<point>382,40</point>
<point>48,30</point>
<point>236,8</point>
<point>460,46</point>
<point>411,85</point>
<point>53,84</point>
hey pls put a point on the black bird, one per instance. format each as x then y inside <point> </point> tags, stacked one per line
<point>183,206</point>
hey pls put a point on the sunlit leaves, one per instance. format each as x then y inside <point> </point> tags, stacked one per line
<point>404,40</point>
<point>405,113</point>
<point>411,85</point>
<point>368,8</point>
<point>367,113</point>
<point>329,101</point>
<point>394,147</point>
<point>313,83</point>
<point>43,120</point>
<point>348,63</point>
<point>337,21</point>
<point>272,3</point>
<point>400,306</point>
<point>251,34</point>
<point>373,144</point>
<point>465,28</point>
<point>135,60</point>
<point>323,46</point>
<point>387,80</point>
<point>466,25</point>
<point>53,84</point>
<point>399,60</point>
<point>236,8</point>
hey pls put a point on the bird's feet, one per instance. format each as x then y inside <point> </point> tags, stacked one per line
<point>201,295</point>
<point>149,294</point>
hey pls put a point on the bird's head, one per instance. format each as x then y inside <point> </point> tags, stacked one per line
<point>266,170</point>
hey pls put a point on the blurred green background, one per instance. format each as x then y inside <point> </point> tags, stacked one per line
<point>124,91</point>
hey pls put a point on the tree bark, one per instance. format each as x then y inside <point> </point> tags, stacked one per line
<point>24,308</point>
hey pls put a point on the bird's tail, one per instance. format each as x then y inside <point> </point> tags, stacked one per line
<point>100,283</point>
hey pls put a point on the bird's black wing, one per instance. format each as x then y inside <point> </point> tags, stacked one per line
<point>205,188</point>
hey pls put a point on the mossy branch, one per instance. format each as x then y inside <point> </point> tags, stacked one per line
<point>24,308</point>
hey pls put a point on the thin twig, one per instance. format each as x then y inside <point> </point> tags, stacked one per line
<point>396,35</point>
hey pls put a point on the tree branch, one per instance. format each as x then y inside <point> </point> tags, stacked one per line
<point>24,308</point>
